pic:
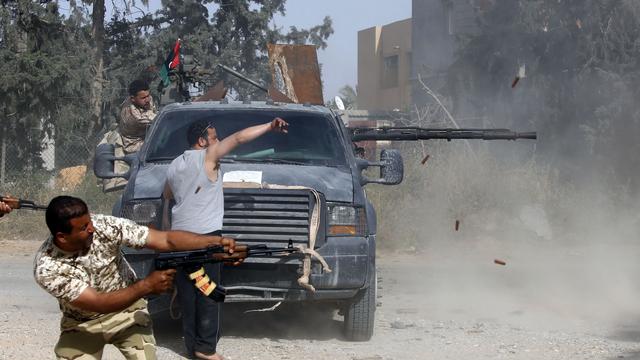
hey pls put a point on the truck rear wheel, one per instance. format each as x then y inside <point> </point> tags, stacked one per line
<point>359,314</point>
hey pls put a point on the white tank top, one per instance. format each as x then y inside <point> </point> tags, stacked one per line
<point>199,204</point>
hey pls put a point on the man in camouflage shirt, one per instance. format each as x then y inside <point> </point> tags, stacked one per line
<point>101,301</point>
<point>136,115</point>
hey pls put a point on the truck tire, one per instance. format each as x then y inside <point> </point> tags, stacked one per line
<point>359,314</point>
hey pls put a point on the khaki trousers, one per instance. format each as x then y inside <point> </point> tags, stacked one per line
<point>130,330</point>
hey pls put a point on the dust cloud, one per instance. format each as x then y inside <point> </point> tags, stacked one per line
<point>570,247</point>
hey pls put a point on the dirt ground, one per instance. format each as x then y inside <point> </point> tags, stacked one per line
<point>449,302</point>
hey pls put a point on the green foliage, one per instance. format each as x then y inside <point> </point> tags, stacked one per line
<point>47,64</point>
<point>234,33</point>
<point>46,58</point>
<point>45,73</point>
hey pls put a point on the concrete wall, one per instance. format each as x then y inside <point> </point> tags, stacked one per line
<point>374,46</point>
<point>425,45</point>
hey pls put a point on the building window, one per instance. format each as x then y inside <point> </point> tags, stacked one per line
<point>390,72</point>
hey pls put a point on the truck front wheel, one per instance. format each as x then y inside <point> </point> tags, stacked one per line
<point>359,314</point>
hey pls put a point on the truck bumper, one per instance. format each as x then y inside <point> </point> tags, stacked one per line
<point>351,260</point>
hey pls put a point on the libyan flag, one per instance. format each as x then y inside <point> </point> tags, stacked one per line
<point>172,61</point>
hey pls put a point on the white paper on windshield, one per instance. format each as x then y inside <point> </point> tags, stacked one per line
<point>243,176</point>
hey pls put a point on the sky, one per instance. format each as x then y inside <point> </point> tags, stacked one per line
<point>339,59</point>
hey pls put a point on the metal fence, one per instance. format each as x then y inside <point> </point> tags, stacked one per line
<point>41,170</point>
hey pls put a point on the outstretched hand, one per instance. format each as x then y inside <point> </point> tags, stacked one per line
<point>279,125</point>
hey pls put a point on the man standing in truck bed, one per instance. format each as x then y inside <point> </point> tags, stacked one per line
<point>194,180</point>
<point>136,115</point>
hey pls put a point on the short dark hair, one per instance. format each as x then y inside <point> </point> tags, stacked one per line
<point>137,86</point>
<point>197,130</point>
<point>61,210</point>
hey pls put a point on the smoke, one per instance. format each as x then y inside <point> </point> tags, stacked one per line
<point>568,240</point>
<point>561,212</point>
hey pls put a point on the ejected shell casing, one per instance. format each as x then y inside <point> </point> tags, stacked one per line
<point>457,226</point>
<point>499,262</point>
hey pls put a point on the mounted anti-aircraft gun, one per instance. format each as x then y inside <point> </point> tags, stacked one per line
<point>296,79</point>
<point>391,166</point>
<point>418,133</point>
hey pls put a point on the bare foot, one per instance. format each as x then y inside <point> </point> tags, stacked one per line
<point>215,356</point>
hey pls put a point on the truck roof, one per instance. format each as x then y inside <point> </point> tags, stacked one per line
<point>253,105</point>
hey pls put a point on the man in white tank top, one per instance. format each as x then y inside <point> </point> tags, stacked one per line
<point>194,181</point>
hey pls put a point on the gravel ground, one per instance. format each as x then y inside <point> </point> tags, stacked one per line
<point>457,305</point>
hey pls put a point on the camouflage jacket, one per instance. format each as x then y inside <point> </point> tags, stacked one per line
<point>66,275</point>
<point>133,125</point>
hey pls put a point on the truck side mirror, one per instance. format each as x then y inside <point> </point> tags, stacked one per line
<point>103,164</point>
<point>391,168</point>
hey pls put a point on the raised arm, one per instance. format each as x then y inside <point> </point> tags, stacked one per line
<point>222,148</point>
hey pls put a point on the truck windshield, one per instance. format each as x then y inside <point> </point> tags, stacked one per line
<point>312,139</point>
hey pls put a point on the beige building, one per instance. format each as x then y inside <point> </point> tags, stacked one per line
<point>384,67</point>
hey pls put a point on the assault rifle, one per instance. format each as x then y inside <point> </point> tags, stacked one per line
<point>192,260</point>
<point>16,203</point>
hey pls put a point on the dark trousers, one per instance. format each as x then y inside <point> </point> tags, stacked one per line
<point>200,315</point>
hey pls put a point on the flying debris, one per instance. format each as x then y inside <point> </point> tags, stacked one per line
<point>521,75</point>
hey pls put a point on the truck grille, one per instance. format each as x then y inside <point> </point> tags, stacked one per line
<point>270,216</point>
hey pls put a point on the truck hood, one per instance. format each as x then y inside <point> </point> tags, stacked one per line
<point>335,183</point>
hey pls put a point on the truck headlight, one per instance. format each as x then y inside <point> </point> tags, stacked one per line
<point>346,220</point>
<point>143,212</point>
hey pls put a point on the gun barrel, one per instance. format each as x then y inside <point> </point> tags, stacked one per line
<point>416,133</point>
<point>16,203</point>
<point>242,77</point>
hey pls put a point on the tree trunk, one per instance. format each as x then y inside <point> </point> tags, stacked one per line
<point>95,101</point>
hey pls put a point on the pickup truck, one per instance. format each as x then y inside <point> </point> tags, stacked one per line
<point>317,153</point>
<point>313,167</point>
